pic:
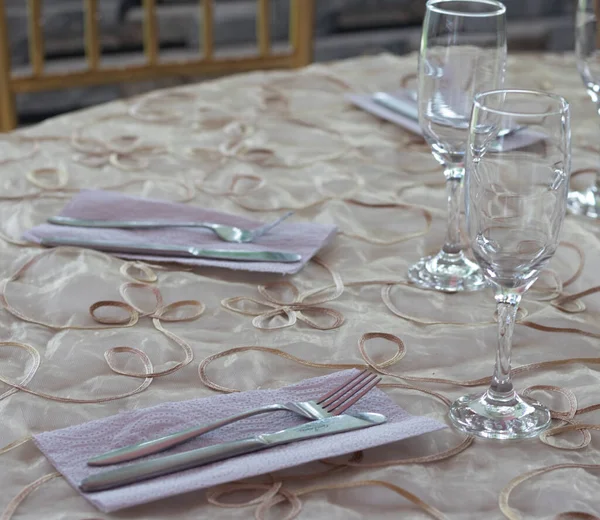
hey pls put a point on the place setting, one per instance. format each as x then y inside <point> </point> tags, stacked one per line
<point>160,231</point>
<point>506,154</point>
<point>173,448</point>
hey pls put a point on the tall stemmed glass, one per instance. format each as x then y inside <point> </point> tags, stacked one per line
<point>587,49</point>
<point>463,52</point>
<point>515,206</point>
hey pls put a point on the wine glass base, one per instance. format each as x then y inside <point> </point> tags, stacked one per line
<point>586,203</point>
<point>447,273</point>
<point>482,416</point>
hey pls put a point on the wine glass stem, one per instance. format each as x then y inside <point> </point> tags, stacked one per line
<point>596,186</point>
<point>454,176</point>
<point>501,388</point>
<point>597,183</point>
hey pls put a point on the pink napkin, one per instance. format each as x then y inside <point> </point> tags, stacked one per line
<point>365,101</point>
<point>515,141</point>
<point>70,448</point>
<point>302,237</point>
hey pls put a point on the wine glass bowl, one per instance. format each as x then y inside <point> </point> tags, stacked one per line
<point>463,51</point>
<point>515,206</point>
<point>587,51</point>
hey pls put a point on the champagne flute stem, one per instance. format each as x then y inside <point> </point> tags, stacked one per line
<point>596,98</point>
<point>501,388</point>
<point>596,186</point>
<point>454,177</point>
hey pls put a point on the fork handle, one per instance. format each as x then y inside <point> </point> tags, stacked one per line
<point>124,224</point>
<point>142,449</point>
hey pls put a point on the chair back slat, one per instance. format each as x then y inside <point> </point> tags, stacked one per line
<point>150,32</point>
<point>8,118</point>
<point>208,37</point>
<point>302,15</point>
<point>36,36</point>
<point>92,39</point>
<point>263,28</point>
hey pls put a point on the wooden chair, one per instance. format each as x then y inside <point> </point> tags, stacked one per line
<point>301,40</point>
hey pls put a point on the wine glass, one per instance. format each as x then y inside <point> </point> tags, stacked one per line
<point>587,50</point>
<point>463,52</point>
<point>516,200</point>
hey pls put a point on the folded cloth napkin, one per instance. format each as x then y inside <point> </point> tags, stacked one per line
<point>70,448</point>
<point>405,97</point>
<point>408,117</point>
<point>304,238</point>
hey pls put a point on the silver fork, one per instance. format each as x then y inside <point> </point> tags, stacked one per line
<point>226,233</point>
<point>335,402</point>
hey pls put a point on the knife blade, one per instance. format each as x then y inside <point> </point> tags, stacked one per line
<point>165,465</point>
<point>404,108</point>
<point>166,250</point>
<point>410,109</point>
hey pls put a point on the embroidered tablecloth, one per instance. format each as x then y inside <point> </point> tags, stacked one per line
<point>84,335</point>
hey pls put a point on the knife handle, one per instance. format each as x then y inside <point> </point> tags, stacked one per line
<point>185,251</point>
<point>119,247</point>
<point>143,449</point>
<point>170,464</point>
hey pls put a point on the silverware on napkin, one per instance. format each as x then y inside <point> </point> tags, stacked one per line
<point>226,233</point>
<point>166,250</point>
<point>395,104</point>
<point>410,109</point>
<point>333,402</point>
<point>147,469</point>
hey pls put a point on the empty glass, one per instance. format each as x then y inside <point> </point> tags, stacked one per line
<point>515,206</point>
<point>587,49</point>
<point>463,52</point>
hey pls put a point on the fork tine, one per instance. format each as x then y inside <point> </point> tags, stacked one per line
<point>361,392</point>
<point>268,227</point>
<point>348,392</point>
<point>344,386</point>
<point>335,401</point>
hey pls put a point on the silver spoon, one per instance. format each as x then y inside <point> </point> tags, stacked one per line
<point>226,233</point>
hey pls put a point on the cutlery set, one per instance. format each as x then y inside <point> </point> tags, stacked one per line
<point>169,250</point>
<point>229,234</point>
<point>326,415</point>
<point>225,233</point>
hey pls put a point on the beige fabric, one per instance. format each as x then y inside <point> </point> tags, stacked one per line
<point>258,144</point>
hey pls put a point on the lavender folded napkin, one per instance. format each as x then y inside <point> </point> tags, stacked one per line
<point>407,99</point>
<point>70,448</point>
<point>368,104</point>
<point>302,237</point>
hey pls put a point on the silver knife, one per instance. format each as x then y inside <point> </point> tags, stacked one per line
<point>165,250</point>
<point>411,110</point>
<point>407,109</point>
<point>156,467</point>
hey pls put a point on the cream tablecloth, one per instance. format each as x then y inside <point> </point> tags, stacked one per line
<point>258,144</point>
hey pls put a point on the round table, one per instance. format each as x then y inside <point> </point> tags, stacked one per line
<point>256,145</point>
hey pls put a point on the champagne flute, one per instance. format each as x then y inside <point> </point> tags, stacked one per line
<point>463,52</point>
<point>515,205</point>
<point>587,50</point>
